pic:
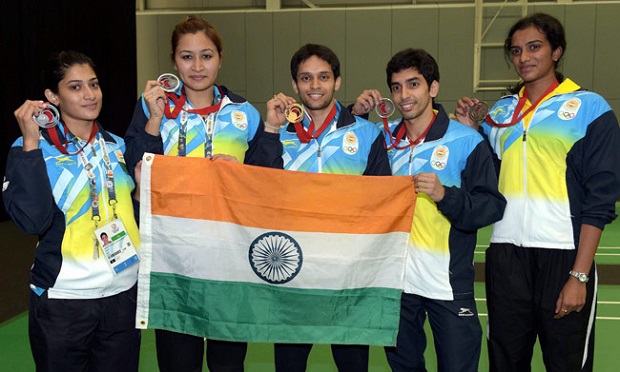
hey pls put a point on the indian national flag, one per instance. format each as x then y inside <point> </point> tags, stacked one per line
<point>242,253</point>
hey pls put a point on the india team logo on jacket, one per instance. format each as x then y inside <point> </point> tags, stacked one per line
<point>569,109</point>
<point>350,144</point>
<point>439,159</point>
<point>119,156</point>
<point>239,120</point>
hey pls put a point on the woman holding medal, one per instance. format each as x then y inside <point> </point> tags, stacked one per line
<point>67,183</point>
<point>198,119</point>
<point>558,148</point>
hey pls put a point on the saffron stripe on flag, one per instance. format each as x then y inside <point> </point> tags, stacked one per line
<point>278,199</point>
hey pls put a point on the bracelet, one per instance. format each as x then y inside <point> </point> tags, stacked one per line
<point>273,127</point>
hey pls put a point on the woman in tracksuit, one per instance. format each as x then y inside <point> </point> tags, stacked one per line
<point>64,183</point>
<point>558,148</point>
<point>198,119</point>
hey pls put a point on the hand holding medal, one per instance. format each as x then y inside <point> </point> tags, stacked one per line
<point>47,117</point>
<point>282,109</point>
<point>372,99</point>
<point>478,112</point>
<point>155,96</point>
<point>169,82</point>
<point>385,108</point>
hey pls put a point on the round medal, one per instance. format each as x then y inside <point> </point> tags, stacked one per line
<point>48,117</point>
<point>385,108</point>
<point>294,113</point>
<point>478,112</point>
<point>169,82</point>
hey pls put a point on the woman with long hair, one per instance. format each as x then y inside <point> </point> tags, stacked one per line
<point>199,119</point>
<point>68,184</point>
<point>557,145</point>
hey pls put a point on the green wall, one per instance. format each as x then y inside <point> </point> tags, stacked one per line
<point>258,46</point>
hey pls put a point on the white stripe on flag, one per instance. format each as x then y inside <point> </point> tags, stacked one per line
<point>327,257</point>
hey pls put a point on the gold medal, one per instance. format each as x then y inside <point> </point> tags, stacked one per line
<point>294,113</point>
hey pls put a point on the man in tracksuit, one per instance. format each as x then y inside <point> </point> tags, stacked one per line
<point>453,172</point>
<point>327,139</point>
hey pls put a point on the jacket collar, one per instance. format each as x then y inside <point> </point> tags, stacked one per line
<point>344,119</point>
<point>439,127</point>
<point>61,135</point>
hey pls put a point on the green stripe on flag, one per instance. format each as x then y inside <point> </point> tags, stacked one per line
<point>236,311</point>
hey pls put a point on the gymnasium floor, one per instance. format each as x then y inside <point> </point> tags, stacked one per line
<point>15,351</point>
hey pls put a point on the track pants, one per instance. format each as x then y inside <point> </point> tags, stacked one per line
<point>522,286</point>
<point>84,335</point>
<point>178,352</point>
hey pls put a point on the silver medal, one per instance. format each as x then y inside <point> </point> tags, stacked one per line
<point>48,117</point>
<point>169,82</point>
<point>385,108</point>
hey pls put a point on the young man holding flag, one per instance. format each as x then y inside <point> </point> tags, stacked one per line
<point>321,136</point>
<point>457,191</point>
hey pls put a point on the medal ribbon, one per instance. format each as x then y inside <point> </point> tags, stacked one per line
<point>518,116</point>
<point>402,133</point>
<point>306,136</point>
<point>63,147</point>
<point>179,103</point>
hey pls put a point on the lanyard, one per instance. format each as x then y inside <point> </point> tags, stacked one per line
<point>182,108</point>
<point>63,147</point>
<point>305,136</point>
<point>92,182</point>
<point>402,133</point>
<point>109,183</point>
<point>209,122</point>
<point>517,116</point>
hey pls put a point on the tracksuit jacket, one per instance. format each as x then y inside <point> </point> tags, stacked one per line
<point>351,145</point>
<point>440,264</point>
<point>564,170</point>
<point>238,131</point>
<point>47,194</point>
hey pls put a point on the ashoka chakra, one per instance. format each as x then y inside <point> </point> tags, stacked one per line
<point>275,257</point>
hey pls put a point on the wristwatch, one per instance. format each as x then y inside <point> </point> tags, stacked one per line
<point>582,277</point>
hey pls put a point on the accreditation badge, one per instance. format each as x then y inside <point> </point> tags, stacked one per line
<point>116,245</point>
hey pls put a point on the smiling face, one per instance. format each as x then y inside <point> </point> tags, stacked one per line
<point>411,93</point>
<point>197,59</point>
<point>79,96</point>
<point>315,84</point>
<point>532,55</point>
